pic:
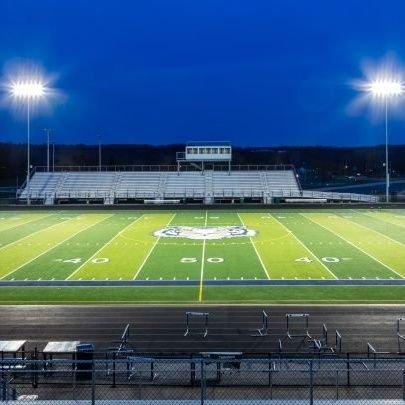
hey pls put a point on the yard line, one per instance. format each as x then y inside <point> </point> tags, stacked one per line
<point>254,247</point>
<point>106,244</point>
<point>150,251</point>
<point>382,219</point>
<point>356,247</point>
<point>373,230</point>
<point>53,247</point>
<point>25,221</point>
<point>202,261</point>
<point>34,233</point>
<point>305,247</point>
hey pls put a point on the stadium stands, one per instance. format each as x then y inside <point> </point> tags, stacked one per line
<point>209,186</point>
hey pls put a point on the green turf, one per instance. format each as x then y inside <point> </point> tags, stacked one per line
<point>236,295</point>
<point>121,245</point>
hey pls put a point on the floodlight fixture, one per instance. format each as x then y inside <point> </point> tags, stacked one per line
<point>386,88</point>
<point>28,90</point>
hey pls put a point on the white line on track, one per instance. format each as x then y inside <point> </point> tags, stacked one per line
<point>150,251</point>
<point>257,253</point>
<point>52,247</point>
<point>103,246</point>
<point>308,250</point>
<point>355,246</point>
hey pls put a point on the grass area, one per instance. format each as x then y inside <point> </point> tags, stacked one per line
<point>203,245</point>
<point>212,295</point>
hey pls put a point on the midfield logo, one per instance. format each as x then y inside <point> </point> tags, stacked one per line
<point>210,232</point>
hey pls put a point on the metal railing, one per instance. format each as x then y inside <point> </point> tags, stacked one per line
<point>161,168</point>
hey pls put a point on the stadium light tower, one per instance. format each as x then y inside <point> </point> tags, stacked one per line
<point>28,91</point>
<point>386,89</point>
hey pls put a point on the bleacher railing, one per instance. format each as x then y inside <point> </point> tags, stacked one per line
<point>147,380</point>
<point>161,168</point>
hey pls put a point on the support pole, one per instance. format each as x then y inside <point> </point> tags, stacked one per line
<point>28,154</point>
<point>387,172</point>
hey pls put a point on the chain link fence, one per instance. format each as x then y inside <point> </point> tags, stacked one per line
<point>203,380</point>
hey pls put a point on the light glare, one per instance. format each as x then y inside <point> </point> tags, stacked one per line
<point>28,89</point>
<point>386,88</point>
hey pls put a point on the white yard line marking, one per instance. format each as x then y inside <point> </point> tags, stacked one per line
<point>52,247</point>
<point>102,247</point>
<point>381,218</point>
<point>150,251</point>
<point>27,221</point>
<point>373,230</point>
<point>200,294</point>
<point>355,246</point>
<point>305,247</point>
<point>36,232</point>
<point>257,253</point>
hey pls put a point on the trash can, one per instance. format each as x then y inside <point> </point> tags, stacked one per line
<point>85,353</point>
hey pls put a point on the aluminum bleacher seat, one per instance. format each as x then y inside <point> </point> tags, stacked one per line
<point>238,183</point>
<point>138,185</point>
<point>42,185</point>
<point>185,184</point>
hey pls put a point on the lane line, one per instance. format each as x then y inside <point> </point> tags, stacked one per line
<point>257,253</point>
<point>355,246</point>
<point>200,293</point>
<point>150,251</point>
<point>306,248</point>
<point>51,248</point>
<point>105,245</point>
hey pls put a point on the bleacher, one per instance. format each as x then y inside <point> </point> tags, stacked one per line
<point>86,185</point>
<point>189,184</point>
<point>209,186</point>
<point>43,186</point>
<point>238,184</point>
<point>138,185</point>
<point>282,181</point>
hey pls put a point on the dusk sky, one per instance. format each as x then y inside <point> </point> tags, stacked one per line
<point>253,72</point>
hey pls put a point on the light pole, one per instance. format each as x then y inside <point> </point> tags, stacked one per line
<point>48,138</point>
<point>99,152</point>
<point>28,91</point>
<point>386,90</point>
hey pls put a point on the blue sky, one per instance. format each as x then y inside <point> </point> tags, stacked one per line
<point>169,71</point>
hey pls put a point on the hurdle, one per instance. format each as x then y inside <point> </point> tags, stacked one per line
<point>264,328</point>
<point>291,318</point>
<point>400,336</point>
<point>200,328</point>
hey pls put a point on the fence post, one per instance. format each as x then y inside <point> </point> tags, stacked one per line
<point>113,367</point>
<point>35,368</point>
<point>337,385</point>
<point>93,384</point>
<point>311,383</point>
<point>3,390</point>
<point>348,368</point>
<point>403,384</point>
<point>202,382</point>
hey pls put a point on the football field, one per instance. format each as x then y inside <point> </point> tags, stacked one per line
<point>202,256</point>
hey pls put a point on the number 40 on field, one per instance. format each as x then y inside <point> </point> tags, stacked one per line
<point>324,259</point>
